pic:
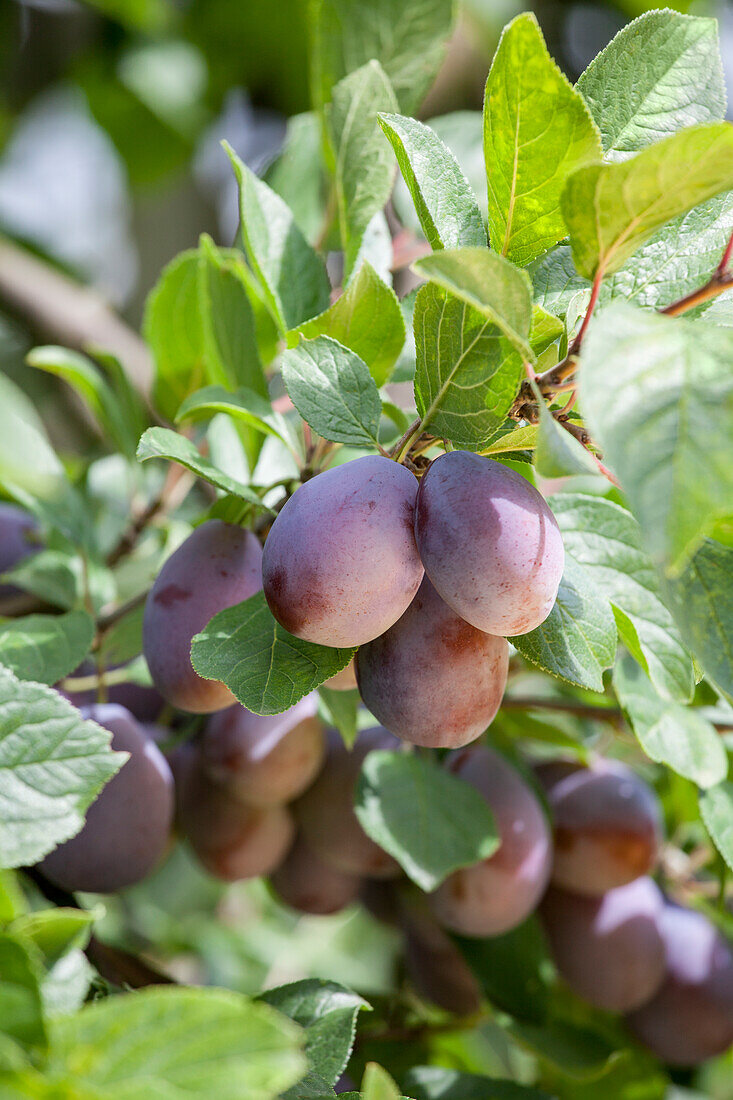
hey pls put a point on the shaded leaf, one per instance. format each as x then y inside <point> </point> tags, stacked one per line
<point>45,647</point>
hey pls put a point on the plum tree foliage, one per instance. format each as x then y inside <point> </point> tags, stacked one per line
<point>492,516</point>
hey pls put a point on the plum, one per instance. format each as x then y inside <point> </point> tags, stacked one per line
<point>128,828</point>
<point>217,566</point>
<point>690,1018</point>
<point>607,826</point>
<point>608,949</point>
<point>340,563</point>
<point>432,679</point>
<point>264,760</point>
<point>306,883</point>
<point>325,813</point>
<point>498,893</point>
<point>16,533</point>
<point>489,543</point>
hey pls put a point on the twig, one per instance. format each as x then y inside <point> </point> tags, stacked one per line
<point>56,307</point>
<point>715,286</point>
<point>402,445</point>
<point>582,710</point>
<point>177,484</point>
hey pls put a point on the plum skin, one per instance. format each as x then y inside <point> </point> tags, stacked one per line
<point>268,760</point>
<point>306,883</point>
<point>608,949</point>
<point>15,528</point>
<point>607,827</point>
<point>128,828</point>
<point>489,543</point>
<point>217,566</point>
<point>231,839</point>
<point>498,893</point>
<point>433,679</point>
<point>325,813</point>
<point>340,563</point>
<point>690,1019</point>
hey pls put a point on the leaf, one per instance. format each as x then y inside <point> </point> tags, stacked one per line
<point>489,284</point>
<point>660,73</point>
<point>701,600</point>
<point>364,169</point>
<point>164,443</point>
<point>537,130</point>
<point>266,668</point>
<point>291,275</point>
<point>21,1009</point>
<point>431,822</point>
<point>577,641</point>
<point>52,766</point>
<point>333,391</point>
<point>230,339</point>
<point>447,209</point>
<point>557,453</point>
<point>27,459</point>
<point>716,808</point>
<point>665,425</point>
<point>173,328</point>
<point>245,405</point>
<point>83,377</point>
<point>341,709</point>
<point>612,209</point>
<point>178,1042</point>
<point>327,1011</point>
<point>58,577</point>
<point>580,1051</point>
<point>436,1083</point>
<point>65,986</point>
<point>377,1084</point>
<point>367,319</point>
<point>298,175</point>
<point>407,37</point>
<point>516,439</point>
<point>45,647</point>
<point>56,931</point>
<point>511,969</point>
<point>669,733</point>
<point>606,541</point>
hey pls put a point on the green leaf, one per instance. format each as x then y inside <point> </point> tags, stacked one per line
<point>341,709</point>
<point>701,600</point>
<point>407,37</point>
<point>45,647</point>
<point>537,130</point>
<point>716,808</point>
<point>489,284</point>
<point>178,1043</point>
<point>578,1050</point>
<point>364,169</point>
<point>665,423</point>
<point>52,766</point>
<point>173,328</point>
<point>65,986</point>
<point>327,1011</point>
<point>333,391</point>
<point>292,276</point>
<point>245,405</point>
<point>515,439</point>
<point>605,539</point>
<point>431,822</point>
<point>230,339</point>
<point>667,732</point>
<point>266,668</point>
<point>12,900</point>
<point>612,209</point>
<point>367,319</point>
<point>298,175</point>
<point>21,1009</point>
<point>83,377</point>
<point>577,641</point>
<point>377,1084</point>
<point>62,579</point>
<point>27,459</point>
<point>447,209</point>
<point>164,443</point>
<point>511,969</point>
<point>436,1083</point>
<point>56,931</point>
<point>660,73</point>
<point>557,453</point>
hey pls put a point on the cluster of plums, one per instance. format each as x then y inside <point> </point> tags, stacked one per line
<point>427,579</point>
<point>275,796</point>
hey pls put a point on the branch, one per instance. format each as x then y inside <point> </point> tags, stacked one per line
<point>57,308</point>
<point>582,710</point>
<point>716,285</point>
